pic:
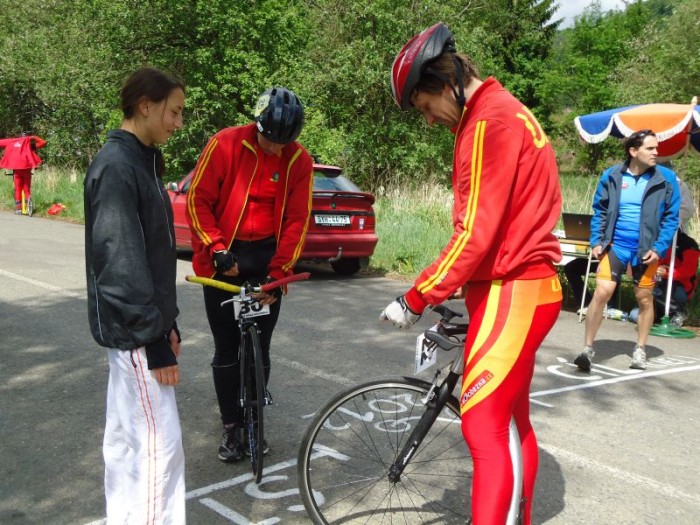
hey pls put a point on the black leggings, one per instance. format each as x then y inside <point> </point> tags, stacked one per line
<point>253,259</point>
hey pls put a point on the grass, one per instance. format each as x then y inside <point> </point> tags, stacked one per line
<point>413,224</point>
<point>50,186</point>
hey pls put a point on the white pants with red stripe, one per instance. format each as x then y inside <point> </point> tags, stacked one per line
<point>144,459</point>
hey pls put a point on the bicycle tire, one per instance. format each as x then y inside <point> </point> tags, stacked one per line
<point>254,400</point>
<point>352,441</point>
<point>30,207</point>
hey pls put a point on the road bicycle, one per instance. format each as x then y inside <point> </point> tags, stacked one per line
<point>253,396</point>
<point>391,450</point>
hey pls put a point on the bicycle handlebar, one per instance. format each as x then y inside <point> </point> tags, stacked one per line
<point>285,280</point>
<point>205,281</point>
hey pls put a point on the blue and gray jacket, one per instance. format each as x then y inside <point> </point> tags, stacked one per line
<point>659,214</point>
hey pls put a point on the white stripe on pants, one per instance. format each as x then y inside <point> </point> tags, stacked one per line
<point>144,459</point>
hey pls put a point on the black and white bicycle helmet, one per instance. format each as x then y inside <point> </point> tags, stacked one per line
<point>279,115</point>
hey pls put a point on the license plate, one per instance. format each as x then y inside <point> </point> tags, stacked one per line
<point>332,220</point>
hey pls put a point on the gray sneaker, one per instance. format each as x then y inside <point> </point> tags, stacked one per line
<point>678,319</point>
<point>583,361</point>
<point>639,359</point>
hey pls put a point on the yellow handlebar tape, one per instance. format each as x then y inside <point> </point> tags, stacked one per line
<point>211,282</point>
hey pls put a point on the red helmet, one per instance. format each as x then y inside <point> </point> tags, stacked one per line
<point>412,60</point>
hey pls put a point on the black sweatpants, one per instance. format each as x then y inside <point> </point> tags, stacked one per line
<point>253,259</point>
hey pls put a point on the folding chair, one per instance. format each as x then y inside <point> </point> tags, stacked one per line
<point>585,284</point>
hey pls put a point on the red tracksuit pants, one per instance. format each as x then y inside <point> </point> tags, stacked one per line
<point>508,322</point>
<point>23,182</point>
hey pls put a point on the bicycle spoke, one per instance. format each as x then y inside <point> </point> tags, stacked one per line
<point>359,435</point>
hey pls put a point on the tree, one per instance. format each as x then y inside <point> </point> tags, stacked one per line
<point>524,32</point>
<point>665,66</point>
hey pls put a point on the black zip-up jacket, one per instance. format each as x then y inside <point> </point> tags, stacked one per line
<point>130,255</point>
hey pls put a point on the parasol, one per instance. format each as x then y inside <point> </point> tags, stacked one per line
<point>677,126</point>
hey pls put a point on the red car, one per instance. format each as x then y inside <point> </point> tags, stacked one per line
<point>341,229</point>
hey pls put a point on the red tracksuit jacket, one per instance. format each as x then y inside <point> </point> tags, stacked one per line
<point>507,200</point>
<point>219,191</point>
<point>19,154</point>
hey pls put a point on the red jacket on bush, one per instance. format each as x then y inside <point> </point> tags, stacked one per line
<point>19,153</point>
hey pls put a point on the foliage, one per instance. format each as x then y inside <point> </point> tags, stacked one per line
<point>524,32</point>
<point>336,54</point>
<point>666,64</point>
<point>65,89</point>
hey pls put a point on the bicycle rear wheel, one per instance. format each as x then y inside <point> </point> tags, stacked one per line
<point>350,445</point>
<point>254,400</point>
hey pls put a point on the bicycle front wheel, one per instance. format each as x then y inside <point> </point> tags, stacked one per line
<point>351,444</point>
<point>254,401</point>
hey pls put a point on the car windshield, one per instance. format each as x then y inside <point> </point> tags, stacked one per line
<point>338,183</point>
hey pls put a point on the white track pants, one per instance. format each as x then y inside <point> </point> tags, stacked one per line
<point>144,459</point>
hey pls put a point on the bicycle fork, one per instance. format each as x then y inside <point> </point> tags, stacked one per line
<point>435,404</point>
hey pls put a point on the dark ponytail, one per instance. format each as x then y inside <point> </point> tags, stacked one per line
<point>149,82</point>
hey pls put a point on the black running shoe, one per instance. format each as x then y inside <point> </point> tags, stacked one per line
<point>583,361</point>
<point>230,449</point>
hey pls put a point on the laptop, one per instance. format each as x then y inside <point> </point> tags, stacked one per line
<point>577,226</point>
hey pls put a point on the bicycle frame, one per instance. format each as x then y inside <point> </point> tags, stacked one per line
<point>252,394</point>
<point>436,403</point>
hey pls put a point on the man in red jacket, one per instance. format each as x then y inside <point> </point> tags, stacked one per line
<point>506,203</point>
<point>21,158</point>
<point>248,207</point>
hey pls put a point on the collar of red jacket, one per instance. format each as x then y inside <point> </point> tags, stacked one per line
<point>487,85</point>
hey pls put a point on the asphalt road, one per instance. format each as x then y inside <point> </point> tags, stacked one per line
<point>616,446</point>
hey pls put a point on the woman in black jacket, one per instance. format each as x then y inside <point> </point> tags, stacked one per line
<point>131,263</point>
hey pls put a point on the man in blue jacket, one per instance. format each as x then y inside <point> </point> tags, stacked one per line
<point>635,216</point>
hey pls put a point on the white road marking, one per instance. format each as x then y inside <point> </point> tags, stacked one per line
<point>334,378</point>
<point>232,515</point>
<point>613,380</point>
<point>45,286</point>
<point>589,464</point>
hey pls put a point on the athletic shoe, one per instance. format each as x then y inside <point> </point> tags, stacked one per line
<point>230,449</point>
<point>18,212</point>
<point>639,359</point>
<point>678,319</point>
<point>582,311</point>
<point>583,361</point>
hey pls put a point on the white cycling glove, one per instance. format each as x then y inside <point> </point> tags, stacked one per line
<point>399,314</point>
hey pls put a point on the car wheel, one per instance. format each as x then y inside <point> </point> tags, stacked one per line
<point>346,266</point>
